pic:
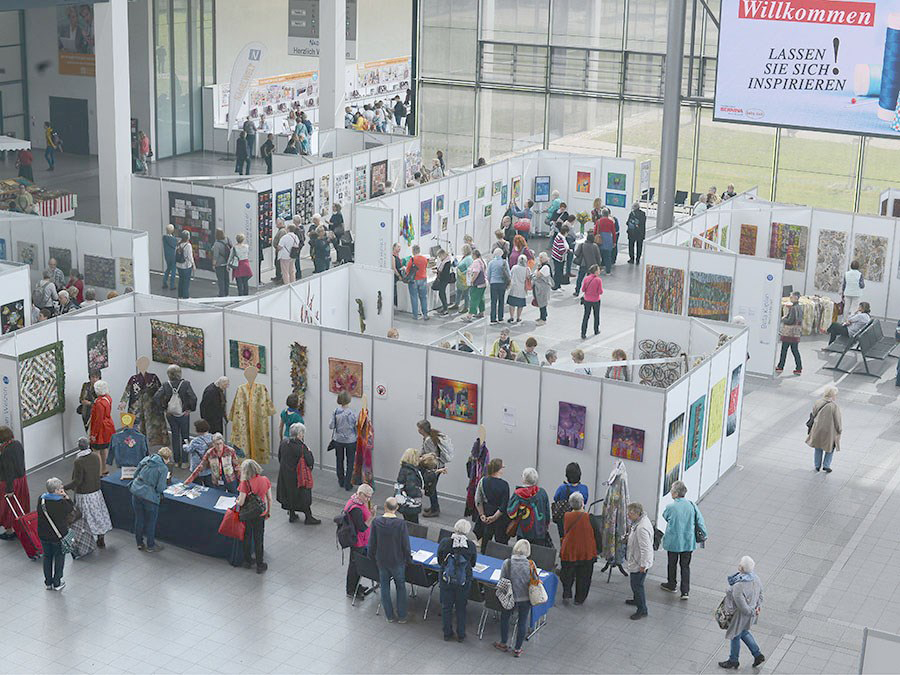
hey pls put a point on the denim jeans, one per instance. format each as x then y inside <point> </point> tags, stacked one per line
<point>418,295</point>
<point>184,282</point>
<point>222,280</point>
<point>180,428</point>
<point>497,293</point>
<point>606,255</point>
<point>50,156</point>
<point>243,285</point>
<point>433,496</point>
<point>54,561</point>
<point>823,462</point>
<point>454,597</point>
<point>169,274</point>
<point>748,640</point>
<point>590,308</point>
<point>795,350</point>
<point>398,574</point>
<point>145,514</point>
<point>637,588</point>
<point>341,452</point>
<point>522,609</point>
<point>582,273</point>
<point>558,271</point>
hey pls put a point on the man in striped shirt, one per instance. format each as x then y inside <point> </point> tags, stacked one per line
<point>558,253</point>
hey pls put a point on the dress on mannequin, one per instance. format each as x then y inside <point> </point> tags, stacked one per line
<point>249,416</point>
<point>138,400</point>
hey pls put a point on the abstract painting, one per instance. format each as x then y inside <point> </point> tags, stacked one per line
<point>97,350</point>
<point>542,188</point>
<point>325,195</point>
<point>264,217</point>
<point>308,312</point>
<point>789,243</point>
<point>100,271</point>
<point>379,175</point>
<point>439,203</point>
<point>583,182</point>
<point>27,253</point>
<point>627,443</point>
<point>664,289</point>
<point>747,245</point>
<point>570,425</point>
<point>454,400</point>
<point>360,187</point>
<point>616,199</point>
<point>126,271</point>
<point>480,192</point>
<point>695,432</point>
<point>42,383</point>
<point>346,376</point>
<point>195,214</point>
<point>659,374</point>
<point>63,258</point>
<point>516,189</point>
<point>731,425</point>
<point>674,453</point>
<point>495,188</point>
<point>615,181</point>
<point>305,199</point>
<point>176,343</point>
<point>709,296</point>
<point>716,410</point>
<point>425,215</point>
<point>343,190</point>
<point>245,354</point>
<point>462,209</point>
<point>299,366</point>
<point>283,205</point>
<point>870,251</point>
<point>830,261</point>
<point>12,316</point>
<point>504,195</point>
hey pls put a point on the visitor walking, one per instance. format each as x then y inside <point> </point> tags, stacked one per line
<point>636,227</point>
<point>790,332</point>
<point>587,255</point>
<point>639,558</point>
<point>89,500</point>
<point>242,155</point>
<point>825,428</point>
<point>438,444</point>
<point>13,482</point>
<point>360,513</point>
<point>266,151</point>
<point>52,144</point>
<point>605,233</point>
<point>517,570</point>
<point>684,525</point>
<point>743,600</point>
<point>592,287</point>
<point>250,132</point>
<point>444,277</point>
<point>558,252</point>
<point>184,262</point>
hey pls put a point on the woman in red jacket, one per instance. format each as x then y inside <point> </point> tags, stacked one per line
<point>592,288</point>
<point>102,427</point>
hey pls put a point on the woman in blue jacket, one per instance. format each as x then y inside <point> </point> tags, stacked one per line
<point>150,479</point>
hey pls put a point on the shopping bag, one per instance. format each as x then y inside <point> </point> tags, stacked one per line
<point>231,526</point>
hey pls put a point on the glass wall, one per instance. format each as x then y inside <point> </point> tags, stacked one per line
<point>587,76</point>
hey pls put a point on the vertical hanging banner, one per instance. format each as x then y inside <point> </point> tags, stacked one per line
<point>75,39</point>
<point>818,64</point>
<point>243,72</point>
<point>303,28</point>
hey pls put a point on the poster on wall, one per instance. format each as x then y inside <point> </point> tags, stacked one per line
<point>616,199</point>
<point>570,425</point>
<point>425,215</point>
<point>75,39</point>
<point>627,443</point>
<point>731,425</point>
<point>516,190</point>
<point>454,400</point>
<point>541,189</point>
<point>695,432</point>
<point>196,215</point>
<point>616,181</point>
<point>817,64</point>
<point>283,205</point>
<point>583,181</point>
<point>495,187</point>
<point>304,199</point>
<point>264,218</point>
<point>674,453</point>
<point>439,203</point>
<point>716,410</point>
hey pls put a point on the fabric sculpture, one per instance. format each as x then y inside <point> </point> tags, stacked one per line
<point>250,412</point>
<point>614,521</point>
<point>365,446</point>
<point>138,400</point>
<point>476,466</point>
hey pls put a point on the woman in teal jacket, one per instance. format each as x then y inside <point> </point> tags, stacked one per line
<point>149,483</point>
<point>683,520</point>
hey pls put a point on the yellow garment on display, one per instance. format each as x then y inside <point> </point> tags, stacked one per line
<point>249,417</point>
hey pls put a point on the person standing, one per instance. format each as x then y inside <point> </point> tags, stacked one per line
<point>438,444</point>
<point>825,429</point>
<point>491,498</point>
<point>577,551</point>
<point>592,287</point>
<point>790,332</point>
<point>476,276</point>
<point>456,555</point>
<point>389,548</point>
<point>213,405</point>
<point>239,262</point>
<point>24,162</point>
<point>102,427</point>
<point>519,278</point>
<point>683,523</point>
<point>639,558</point>
<point>12,480</point>
<point>254,483</point>
<point>144,149</point>
<point>184,263</point>
<point>743,598</point>
<point>553,207</point>
<point>529,508</point>
<point>343,426</point>
<point>170,243</point>
<point>542,287</point>
<point>605,229</point>
<point>587,255</point>
<point>241,155</point>
<point>852,287</point>
<point>558,252</point>
<point>295,465</point>
<point>636,226</point>
<point>177,398</point>
<point>221,252</point>
<point>51,139</point>
<point>444,276</point>
<point>498,278</point>
<point>361,513</point>
<point>266,150</point>
<point>250,131</point>
<point>147,487</point>
<point>517,570</point>
<point>416,274</point>
<point>53,513</point>
<point>88,498</point>
<point>288,249</point>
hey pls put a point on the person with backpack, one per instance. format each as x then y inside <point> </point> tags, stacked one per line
<point>389,548</point>
<point>456,555</point>
<point>221,252</point>
<point>529,510</point>
<point>147,487</point>
<point>353,530</point>
<point>177,398</point>
<point>684,525</point>
<point>438,444</point>
<point>573,484</point>
<point>410,485</point>
<point>45,295</point>
<point>184,263</point>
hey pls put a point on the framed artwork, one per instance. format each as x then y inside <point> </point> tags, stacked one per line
<point>663,289</point>
<point>788,243</point>
<point>695,432</point>
<point>325,195</point>
<point>716,411</point>
<point>627,443</point>
<point>346,376</point>
<point>583,182</point>
<point>674,453</point>
<point>454,400</point>
<point>195,214</point>
<point>304,199</point>
<point>379,175</point>
<point>63,258</point>
<point>829,272</point>
<point>42,383</point>
<point>734,392</point>
<point>177,343</point>
<point>488,210</point>
<point>360,186</point>
<point>516,190</point>
<point>480,192</point>
<point>747,244</point>
<point>97,350</point>
<point>425,215</point>
<point>264,218</point>
<point>244,354</point>
<point>27,253</point>
<point>615,199</point>
<point>283,205</point>
<point>439,203</point>
<point>126,271</point>
<point>495,188</point>
<point>709,296</point>
<point>462,209</point>
<point>570,425</point>
<point>343,190</point>
<point>504,195</point>
<point>615,181</point>
<point>12,316</point>
<point>412,162</point>
<point>871,251</point>
<point>444,222</point>
<point>100,271</point>
<point>299,366</point>
<point>541,189</point>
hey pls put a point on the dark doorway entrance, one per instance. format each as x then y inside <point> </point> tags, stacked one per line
<point>69,117</point>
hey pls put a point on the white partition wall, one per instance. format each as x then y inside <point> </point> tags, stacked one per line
<point>15,287</point>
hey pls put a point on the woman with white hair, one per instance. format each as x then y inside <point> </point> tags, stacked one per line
<point>529,509</point>
<point>295,464</point>
<point>456,555</point>
<point>743,600</point>
<point>53,513</point>
<point>578,550</point>
<point>223,464</point>
<point>254,495</point>
<point>102,427</point>
<point>825,429</point>
<point>517,570</point>
<point>543,284</point>
<point>178,399</point>
<point>360,512</point>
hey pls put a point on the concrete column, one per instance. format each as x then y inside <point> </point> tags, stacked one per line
<point>332,63</point>
<point>113,112</point>
<point>668,161</point>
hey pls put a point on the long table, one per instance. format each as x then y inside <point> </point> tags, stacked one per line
<point>549,579</point>
<point>192,524</point>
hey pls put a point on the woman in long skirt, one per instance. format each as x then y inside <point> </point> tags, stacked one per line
<point>85,481</point>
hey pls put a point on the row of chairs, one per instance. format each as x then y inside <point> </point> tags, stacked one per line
<point>870,342</point>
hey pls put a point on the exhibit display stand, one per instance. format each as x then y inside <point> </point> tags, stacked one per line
<point>15,296</point>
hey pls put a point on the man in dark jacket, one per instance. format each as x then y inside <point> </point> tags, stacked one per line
<point>241,155</point>
<point>212,405</point>
<point>637,230</point>
<point>389,548</point>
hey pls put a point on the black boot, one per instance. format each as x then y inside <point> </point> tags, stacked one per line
<point>293,517</point>
<point>310,520</point>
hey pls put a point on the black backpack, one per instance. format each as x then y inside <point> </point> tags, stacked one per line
<point>346,532</point>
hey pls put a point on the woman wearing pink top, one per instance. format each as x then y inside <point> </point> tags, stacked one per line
<point>592,288</point>
<point>361,513</point>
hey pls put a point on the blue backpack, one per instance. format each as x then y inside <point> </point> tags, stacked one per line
<point>455,570</point>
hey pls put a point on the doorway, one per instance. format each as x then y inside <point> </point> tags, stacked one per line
<point>69,118</point>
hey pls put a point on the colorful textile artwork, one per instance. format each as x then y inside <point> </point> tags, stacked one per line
<point>100,271</point>
<point>709,296</point>
<point>195,214</point>
<point>176,343</point>
<point>283,205</point>
<point>63,258</point>
<point>343,190</point>
<point>664,289</point>
<point>42,383</point>
<point>495,188</point>
<point>412,162</point>
<point>304,199</point>
<point>731,425</point>
<point>27,253</point>
<point>830,261</point>
<point>243,355</point>
<point>570,425</point>
<point>480,192</point>
<point>454,400</point>
<point>360,186</point>
<point>674,453</point>
<point>346,376</point>
<point>516,189</point>
<point>627,443</point>
<point>407,231</point>
<point>583,182</point>
<point>379,175</point>
<point>97,350</point>
<point>659,374</point>
<point>695,432</point>
<point>462,210</point>
<point>126,271</point>
<point>615,181</point>
<point>425,214</point>
<point>747,245</point>
<point>439,203</point>
<point>788,243</point>
<point>724,240</point>
<point>716,405</point>
<point>325,195</point>
<point>504,195</point>
<point>871,253</point>
<point>299,366</point>
<point>12,316</point>
<point>264,218</point>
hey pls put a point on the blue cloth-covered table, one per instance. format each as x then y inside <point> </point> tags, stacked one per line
<point>549,579</point>
<point>192,524</point>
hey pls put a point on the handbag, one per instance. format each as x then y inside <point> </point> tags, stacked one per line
<point>537,594</point>
<point>304,475</point>
<point>231,525</point>
<point>67,543</point>
<point>505,594</point>
<point>812,419</point>
<point>699,535</point>
<point>333,444</point>
<point>252,508</point>
<point>723,616</point>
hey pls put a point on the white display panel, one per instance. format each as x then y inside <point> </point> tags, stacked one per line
<point>375,288</point>
<point>711,454</point>
<point>284,335</point>
<point>374,236</point>
<point>335,298</point>
<point>732,431</point>
<point>873,244</point>
<point>695,429</point>
<point>757,297</point>
<point>674,444</point>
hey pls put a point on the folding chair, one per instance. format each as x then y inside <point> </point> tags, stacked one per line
<point>497,550</point>
<point>417,530</point>
<point>367,569</point>
<point>417,575</point>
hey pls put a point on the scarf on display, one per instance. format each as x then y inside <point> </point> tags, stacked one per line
<point>741,576</point>
<point>365,446</point>
<point>304,474</point>
<point>475,468</point>
<point>613,518</point>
